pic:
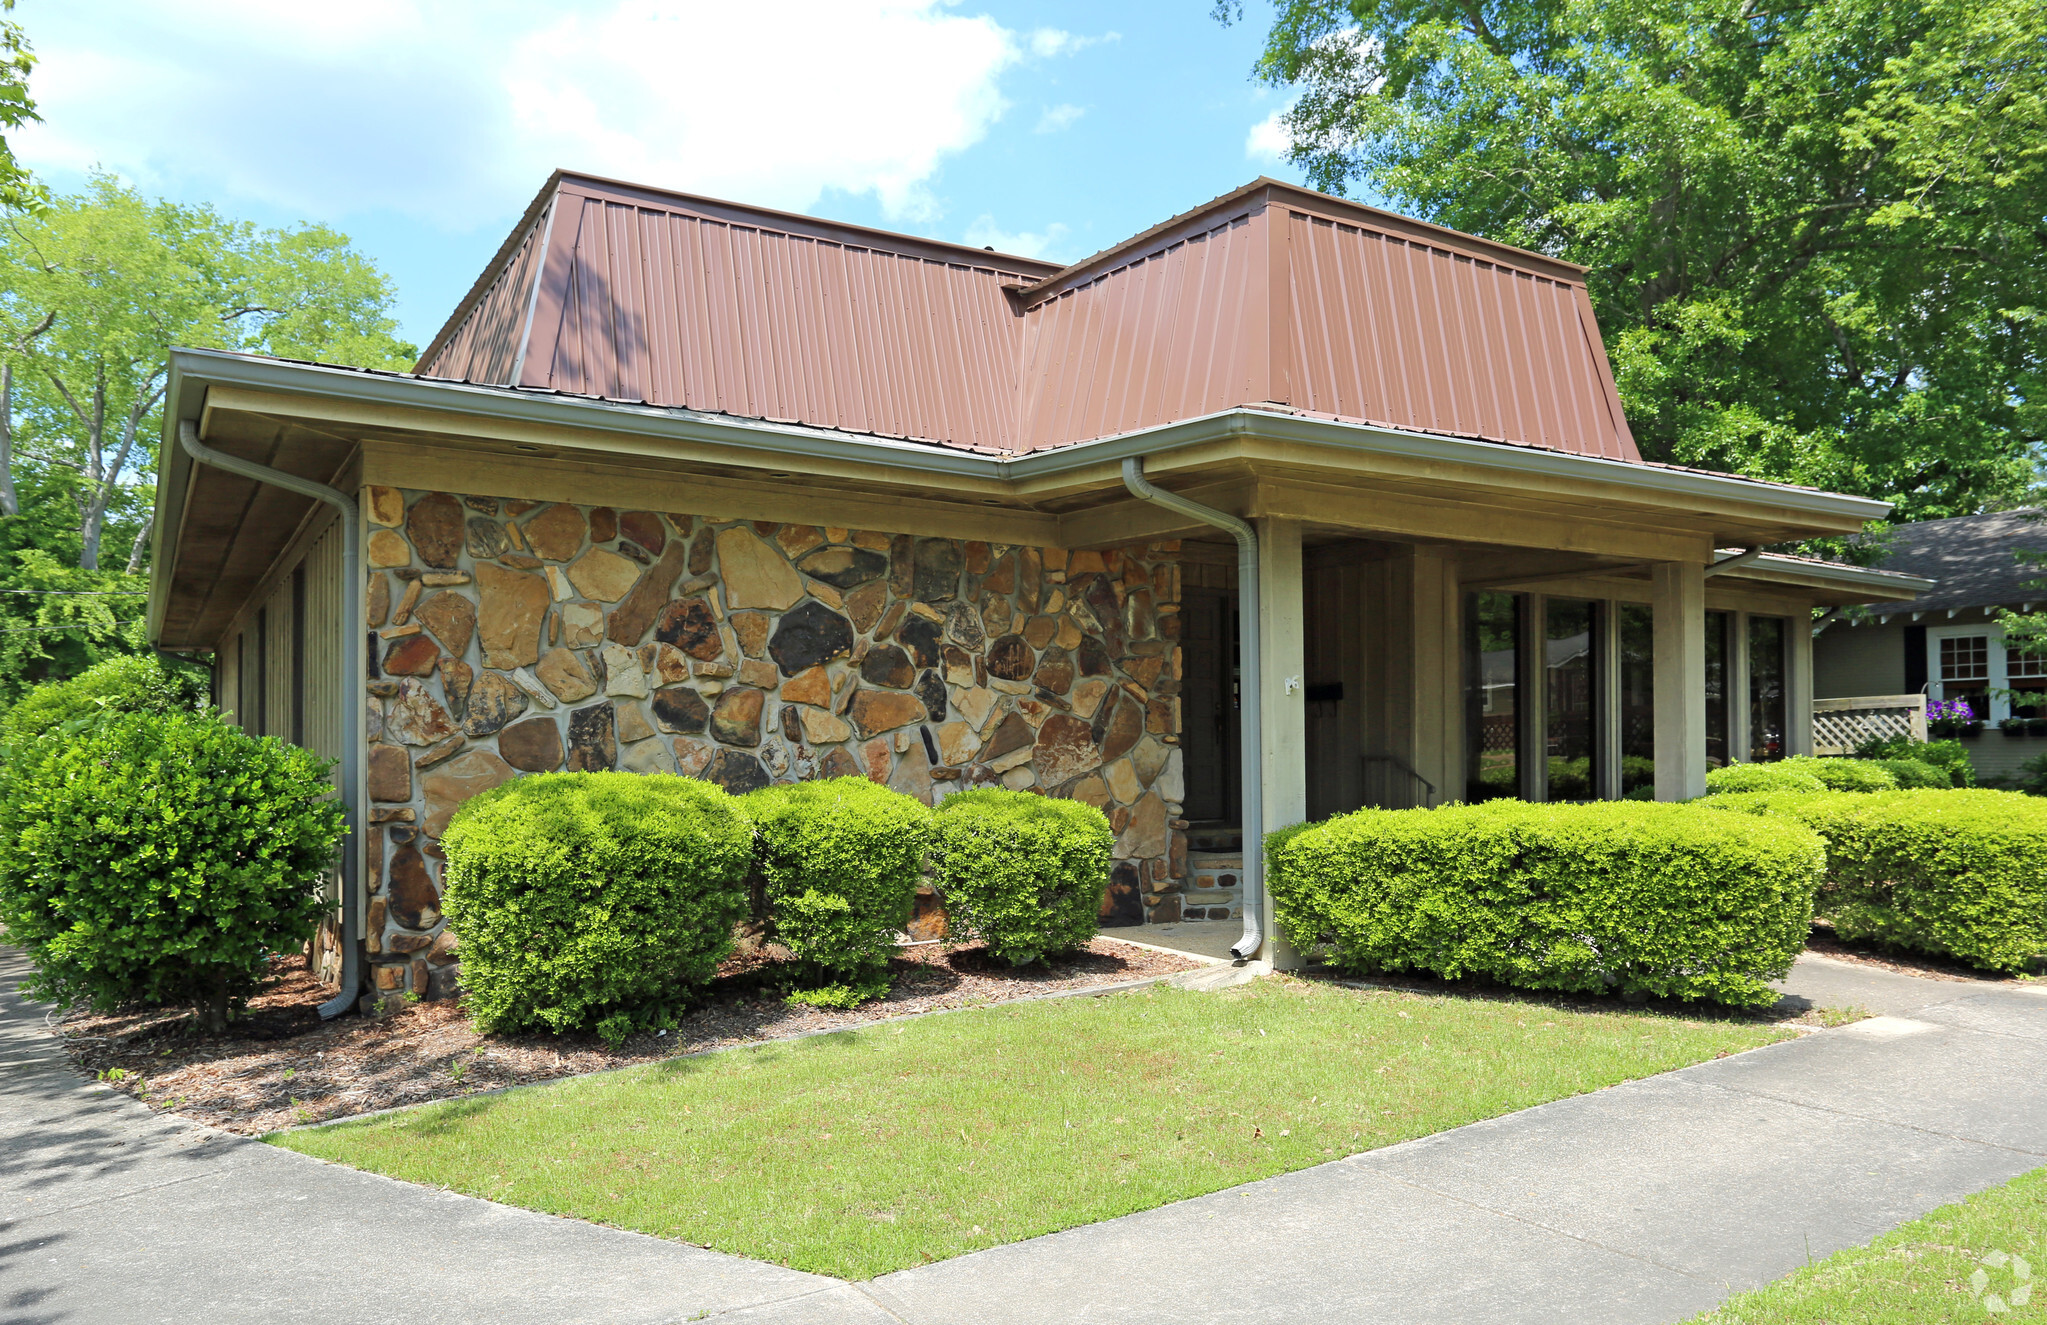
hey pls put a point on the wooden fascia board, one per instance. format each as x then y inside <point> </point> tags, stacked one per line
<point>598,481</point>
<point>1414,517</point>
<point>909,468</point>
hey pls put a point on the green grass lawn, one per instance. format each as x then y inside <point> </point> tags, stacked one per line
<point>1922,1272</point>
<point>861,1152</point>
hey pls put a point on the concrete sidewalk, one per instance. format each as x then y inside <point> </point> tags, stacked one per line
<point>1646,1202</point>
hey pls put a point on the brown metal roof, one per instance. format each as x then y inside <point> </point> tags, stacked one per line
<point>1270,294</point>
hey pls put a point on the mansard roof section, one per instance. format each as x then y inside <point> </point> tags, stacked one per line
<point>1269,295</point>
<point>1276,294</point>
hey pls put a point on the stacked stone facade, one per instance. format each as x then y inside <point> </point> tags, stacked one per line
<point>512,637</point>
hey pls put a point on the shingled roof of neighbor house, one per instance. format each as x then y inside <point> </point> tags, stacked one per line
<point>1268,295</point>
<point>1972,558</point>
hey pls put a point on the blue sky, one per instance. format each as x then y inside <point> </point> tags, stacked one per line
<point>422,127</point>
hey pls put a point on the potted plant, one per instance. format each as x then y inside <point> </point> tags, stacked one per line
<point>1952,717</point>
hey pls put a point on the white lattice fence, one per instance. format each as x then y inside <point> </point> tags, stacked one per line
<point>1840,725</point>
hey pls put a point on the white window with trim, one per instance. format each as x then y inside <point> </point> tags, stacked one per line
<point>1971,663</point>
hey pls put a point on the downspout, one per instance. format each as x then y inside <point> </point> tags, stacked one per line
<point>1250,696</point>
<point>352,664</point>
<point>1741,558</point>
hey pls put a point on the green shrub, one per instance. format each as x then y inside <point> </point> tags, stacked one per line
<point>593,899</point>
<point>1958,873</point>
<point>2031,777</point>
<point>1023,873</point>
<point>1916,775</point>
<point>1761,777</point>
<point>1950,756</point>
<point>160,858</point>
<point>839,861</point>
<point>134,684</point>
<point>1663,900</point>
<point>1845,774</point>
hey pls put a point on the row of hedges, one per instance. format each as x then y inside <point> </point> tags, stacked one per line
<point>1959,873</point>
<point>604,899</point>
<point>1807,774</point>
<point>1622,897</point>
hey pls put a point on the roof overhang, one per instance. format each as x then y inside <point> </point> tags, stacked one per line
<point>325,423</point>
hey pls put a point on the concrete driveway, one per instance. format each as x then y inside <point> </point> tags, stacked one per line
<point>1646,1202</point>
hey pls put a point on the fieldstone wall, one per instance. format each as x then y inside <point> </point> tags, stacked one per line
<point>512,637</point>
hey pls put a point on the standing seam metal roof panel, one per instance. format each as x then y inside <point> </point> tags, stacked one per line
<point>1271,294</point>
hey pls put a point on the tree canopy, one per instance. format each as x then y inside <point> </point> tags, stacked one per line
<point>1816,233</point>
<point>95,288</point>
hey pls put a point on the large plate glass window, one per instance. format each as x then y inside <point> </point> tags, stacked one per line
<point>1571,633</point>
<point>1765,688</point>
<point>1717,628</point>
<point>1492,688</point>
<point>1638,700</point>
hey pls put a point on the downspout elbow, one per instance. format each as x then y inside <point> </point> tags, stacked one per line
<point>1249,717</point>
<point>352,664</point>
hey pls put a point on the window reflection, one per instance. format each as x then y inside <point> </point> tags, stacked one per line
<point>1492,677</point>
<point>1717,626</point>
<point>1571,688</point>
<point>1638,701</point>
<point>1765,688</point>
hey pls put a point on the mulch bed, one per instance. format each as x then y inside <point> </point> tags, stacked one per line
<point>1825,943</point>
<point>280,1065</point>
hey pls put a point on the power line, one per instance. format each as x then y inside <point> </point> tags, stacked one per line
<point>44,630</point>
<point>87,593</point>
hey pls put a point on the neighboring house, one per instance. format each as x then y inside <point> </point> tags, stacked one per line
<point>1946,643</point>
<point>688,485</point>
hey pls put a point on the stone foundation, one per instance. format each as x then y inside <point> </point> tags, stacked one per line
<point>510,637</point>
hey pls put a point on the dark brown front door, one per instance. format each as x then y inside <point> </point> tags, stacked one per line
<point>1208,636</point>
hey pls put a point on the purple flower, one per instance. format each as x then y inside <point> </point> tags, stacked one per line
<point>1956,710</point>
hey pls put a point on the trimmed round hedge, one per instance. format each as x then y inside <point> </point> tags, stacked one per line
<point>1837,774</point>
<point>593,900</point>
<point>1023,873</point>
<point>839,861</point>
<point>1959,873</point>
<point>1916,775</point>
<point>160,858</point>
<point>1622,896</point>
<point>1761,777</point>
<point>1949,756</point>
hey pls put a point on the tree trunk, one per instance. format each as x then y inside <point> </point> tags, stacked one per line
<point>9,503</point>
<point>141,543</point>
<point>89,535</point>
<point>212,1013</point>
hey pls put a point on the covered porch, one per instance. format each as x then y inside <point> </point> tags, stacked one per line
<point>1416,648</point>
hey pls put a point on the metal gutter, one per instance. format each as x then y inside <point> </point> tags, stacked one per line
<point>1250,724</point>
<point>796,441</point>
<point>352,669</point>
<point>1834,572</point>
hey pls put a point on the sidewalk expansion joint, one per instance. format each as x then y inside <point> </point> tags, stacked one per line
<point>1579,1238</point>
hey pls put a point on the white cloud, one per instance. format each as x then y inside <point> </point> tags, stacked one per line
<point>1059,117</point>
<point>455,110</point>
<point>1049,243</point>
<point>1046,43</point>
<point>1268,139</point>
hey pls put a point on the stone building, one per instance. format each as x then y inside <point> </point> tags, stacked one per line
<point>691,487</point>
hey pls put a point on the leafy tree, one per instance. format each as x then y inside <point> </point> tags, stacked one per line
<point>95,288</point>
<point>17,188</point>
<point>1814,231</point>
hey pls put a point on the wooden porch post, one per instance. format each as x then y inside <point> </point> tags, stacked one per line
<point>1678,595</point>
<point>1798,683</point>
<point>1282,666</point>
